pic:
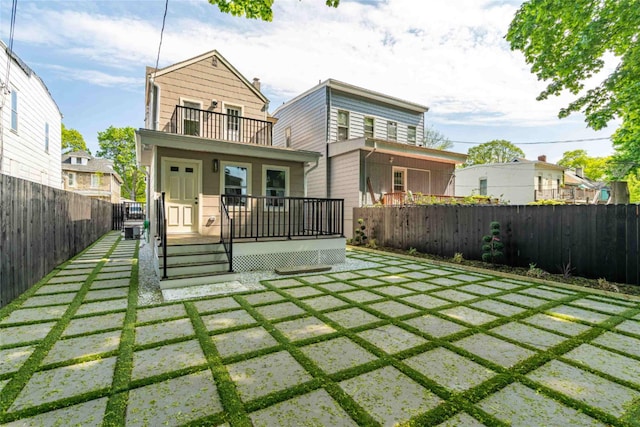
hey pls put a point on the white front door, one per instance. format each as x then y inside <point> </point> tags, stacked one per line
<point>182,187</point>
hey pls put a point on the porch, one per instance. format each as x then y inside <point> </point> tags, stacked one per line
<point>569,195</point>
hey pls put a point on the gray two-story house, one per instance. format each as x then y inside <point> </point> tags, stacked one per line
<point>371,145</point>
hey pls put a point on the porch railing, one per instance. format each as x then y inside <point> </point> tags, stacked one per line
<point>226,232</point>
<point>226,127</point>
<point>264,217</point>
<point>161,231</point>
<point>401,198</point>
<point>571,195</point>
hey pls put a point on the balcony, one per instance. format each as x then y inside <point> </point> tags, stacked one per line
<point>223,127</point>
<point>568,195</point>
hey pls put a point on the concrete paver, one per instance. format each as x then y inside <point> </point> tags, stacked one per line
<point>300,329</point>
<point>243,341</point>
<point>226,320</point>
<point>496,350</point>
<point>73,348</point>
<point>391,338</point>
<point>337,354</point>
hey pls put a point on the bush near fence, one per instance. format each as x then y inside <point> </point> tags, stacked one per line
<point>599,241</point>
<point>40,228</point>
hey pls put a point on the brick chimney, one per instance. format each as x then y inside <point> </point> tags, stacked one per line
<point>542,158</point>
<point>256,83</point>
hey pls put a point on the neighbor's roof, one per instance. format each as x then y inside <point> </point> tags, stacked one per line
<point>95,164</point>
<point>210,54</point>
<point>359,91</point>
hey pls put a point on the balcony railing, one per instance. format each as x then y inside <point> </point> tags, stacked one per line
<point>264,217</point>
<point>225,127</point>
<point>569,195</point>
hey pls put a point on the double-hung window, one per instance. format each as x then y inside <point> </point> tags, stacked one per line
<point>236,182</point>
<point>191,118</point>
<point>399,180</point>
<point>71,179</point>
<point>95,180</point>
<point>411,134</point>
<point>343,125</point>
<point>276,184</point>
<point>483,186</point>
<point>392,131</point>
<point>368,127</point>
<point>14,110</point>
<point>233,123</point>
<point>46,137</point>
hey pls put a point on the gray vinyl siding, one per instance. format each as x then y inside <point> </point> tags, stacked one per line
<point>344,183</point>
<point>359,108</point>
<point>307,118</point>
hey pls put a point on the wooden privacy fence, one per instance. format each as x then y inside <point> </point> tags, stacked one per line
<point>40,228</point>
<point>599,241</point>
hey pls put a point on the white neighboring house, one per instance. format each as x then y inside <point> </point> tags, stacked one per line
<point>517,182</point>
<point>30,121</point>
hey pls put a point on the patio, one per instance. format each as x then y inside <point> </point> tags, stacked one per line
<point>400,341</point>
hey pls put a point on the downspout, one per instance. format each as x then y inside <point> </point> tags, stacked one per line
<point>306,174</point>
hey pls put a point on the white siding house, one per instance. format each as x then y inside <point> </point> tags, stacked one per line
<point>515,182</point>
<point>30,139</point>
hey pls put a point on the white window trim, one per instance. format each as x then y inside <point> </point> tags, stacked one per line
<point>12,111</point>
<point>193,101</point>
<point>338,126</point>
<point>287,176</point>
<point>97,178</point>
<point>404,178</point>
<point>389,123</point>
<point>75,179</point>
<point>483,178</point>
<point>224,164</point>
<point>373,127</point>
<point>240,107</point>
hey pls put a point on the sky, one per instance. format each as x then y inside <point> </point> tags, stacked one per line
<point>449,55</point>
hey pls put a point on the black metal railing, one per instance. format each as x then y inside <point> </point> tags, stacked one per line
<point>117,216</point>
<point>226,233</point>
<point>161,231</point>
<point>259,217</point>
<point>134,210</point>
<point>226,127</point>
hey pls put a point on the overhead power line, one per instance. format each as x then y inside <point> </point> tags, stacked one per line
<point>164,19</point>
<point>566,141</point>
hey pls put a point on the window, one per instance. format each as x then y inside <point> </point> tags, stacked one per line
<point>71,179</point>
<point>276,184</point>
<point>191,118</point>
<point>483,186</point>
<point>540,183</point>
<point>343,125</point>
<point>14,110</point>
<point>46,137</point>
<point>411,134</point>
<point>392,131</point>
<point>368,127</point>
<point>287,137</point>
<point>399,180</point>
<point>95,180</point>
<point>78,160</point>
<point>236,181</point>
<point>233,123</point>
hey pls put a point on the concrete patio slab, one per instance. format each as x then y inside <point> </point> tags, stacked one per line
<point>157,404</point>
<point>337,354</point>
<point>544,293</point>
<point>54,299</point>
<point>325,302</point>
<point>303,291</point>
<point>498,307</point>
<point>58,288</point>
<point>313,409</point>
<point>368,282</point>
<point>392,339</point>
<point>444,281</point>
<point>94,324</point>
<point>226,320</point>
<point>361,296</point>
<point>600,306</point>
<point>161,313</point>
<point>69,279</point>
<point>523,300</point>
<point>243,341</point>
<point>217,304</point>
<point>337,287</point>
<point>102,306</point>
<point>167,358</point>
<point>24,334</point>
<point>88,414</point>
<point>469,315</point>
<point>500,352</point>
<point>280,310</point>
<point>285,283</point>
<point>304,328</point>
<point>479,289</point>
<point>557,324</point>
<point>616,365</point>
<point>435,326</point>
<point>111,283</point>
<point>96,295</point>
<point>263,297</point>
<point>318,279</point>
<point>73,348</point>
<point>394,290</point>
<point>13,358</point>
<point>453,295</point>
<point>26,315</point>
<point>352,317</point>
<point>630,326</point>
<point>461,420</point>
<point>426,301</point>
<point>420,286</point>
<point>171,329</point>
<point>571,313</point>
<point>267,374</point>
<point>454,372</point>
<point>619,342</point>
<point>389,396</point>
<point>528,335</point>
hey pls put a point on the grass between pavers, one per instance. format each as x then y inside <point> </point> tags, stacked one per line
<point>19,379</point>
<point>237,412</point>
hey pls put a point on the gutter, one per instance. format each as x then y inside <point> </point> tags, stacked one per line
<point>364,173</point>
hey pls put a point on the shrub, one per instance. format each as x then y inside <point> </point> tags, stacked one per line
<point>457,258</point>
<point>492,246</point>
<point>359,235</point>
<point>536,272</point>
<point>412,251</point>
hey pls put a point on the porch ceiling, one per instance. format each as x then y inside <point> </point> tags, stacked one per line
<point>395,149</point>
<point>192,143</point>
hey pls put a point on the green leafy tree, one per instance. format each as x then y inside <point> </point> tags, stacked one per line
<point>119,145</point>
<point>254,9</point>
<point>496,151</point>
<point>567,42</point>
<point>595,168</point>
<point>433,138</point>
<point>72,140</point>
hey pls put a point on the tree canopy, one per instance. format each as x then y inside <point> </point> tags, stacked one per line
<point>72,140</point>
<point>119,145</point>
<point>567,43</point>
<point>254,9</point>
<point>433,138</point>
<point>496,151</point>
<point>595,168</point>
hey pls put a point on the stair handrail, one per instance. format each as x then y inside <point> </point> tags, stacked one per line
<point>226,233</point>
<point>162,228</point>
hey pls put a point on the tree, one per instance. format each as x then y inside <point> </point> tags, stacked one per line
<point>119,145</point>
<point>496,151</point>
<point>433,138</point>
<point>595,168</point>
<point>254,9</point>
<point>72,140</point>
<point>567,42</point>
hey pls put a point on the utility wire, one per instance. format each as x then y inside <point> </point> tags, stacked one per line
<point>566,141</point>
<point>164,19</point>
<point>14,7</point>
